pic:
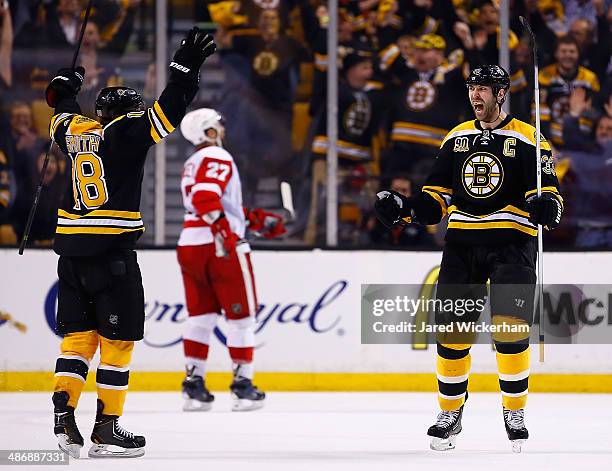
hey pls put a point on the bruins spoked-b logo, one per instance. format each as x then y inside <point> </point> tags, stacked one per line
<point>421,95</point>
<point>265,63</point>
<point>482,175</point>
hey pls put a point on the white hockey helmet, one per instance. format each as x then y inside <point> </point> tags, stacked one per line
<point>197,122</point>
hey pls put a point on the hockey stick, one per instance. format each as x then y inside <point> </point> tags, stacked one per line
<point>20,326</point>
<point>287,199</point>
<point>538,185</point>
<point>43,171</point>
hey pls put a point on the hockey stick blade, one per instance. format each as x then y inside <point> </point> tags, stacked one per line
<point>287,199</point>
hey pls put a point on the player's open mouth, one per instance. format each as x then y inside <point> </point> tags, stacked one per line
<point>478,107</point>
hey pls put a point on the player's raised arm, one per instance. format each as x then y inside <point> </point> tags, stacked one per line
<point>166,113</point>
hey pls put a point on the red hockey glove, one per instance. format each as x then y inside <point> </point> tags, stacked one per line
<point>225,239</point>
<point>265,223</point>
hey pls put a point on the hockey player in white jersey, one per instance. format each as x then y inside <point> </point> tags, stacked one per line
<point>215,262</point>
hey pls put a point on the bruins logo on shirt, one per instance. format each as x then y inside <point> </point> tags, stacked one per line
<point>357,115</point>
<point>482,175</point>
<point>265,63</point>
<point>421,95</point>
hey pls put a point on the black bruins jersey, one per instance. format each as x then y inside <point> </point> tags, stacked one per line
<point>274,66</point>
<point>100,209</point>
<point>482,178</point>
<point>425,103</point>
<point>556,91</point>
<point>359,113</point>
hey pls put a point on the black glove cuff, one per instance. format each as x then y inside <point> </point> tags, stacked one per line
<point>426,210</point>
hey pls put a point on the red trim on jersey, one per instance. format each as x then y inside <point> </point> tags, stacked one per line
<point>199,223</point>
<point>215,171</point>
<point>206,201</point>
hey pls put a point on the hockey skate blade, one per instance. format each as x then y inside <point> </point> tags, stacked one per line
<point>244,405</point>
<point>193,405</point>
<point>517,445</point>
<point>71,449</point>
<point>443,444</point>
<point>113,451</point>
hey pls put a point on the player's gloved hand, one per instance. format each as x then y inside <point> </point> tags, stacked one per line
<point>225,239</point>
<point>66,84</point>
<point>191,54</point>
<point>392,208</point>
<point>545,210</point>
<point>265,223</point>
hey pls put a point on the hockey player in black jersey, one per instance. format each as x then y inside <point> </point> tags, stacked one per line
<point>484,179</point>
<point>100,297</point>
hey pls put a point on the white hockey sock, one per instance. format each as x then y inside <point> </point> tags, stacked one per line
<point>197,333</point>
<point>246,370</point>
<point>195,367</point>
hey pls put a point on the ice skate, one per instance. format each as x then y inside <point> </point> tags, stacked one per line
<point>445,430</point>
<point>111,440</point>
<point>69,438</point>
<point>514,420</point>
<point>197,397</point>
<point>245,395</point>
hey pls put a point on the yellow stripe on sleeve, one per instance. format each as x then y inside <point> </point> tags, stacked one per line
<point>162,117</point>
<point>101,213</point>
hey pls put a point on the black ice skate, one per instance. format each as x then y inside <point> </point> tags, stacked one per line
<point>69,438</point>
<point>245,395</point>
<point>514,420</point>
<point>445,430</point>
<point>197,397</point>
<point>111,440</point>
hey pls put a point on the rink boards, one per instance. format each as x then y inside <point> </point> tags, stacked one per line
<point>308,333</point>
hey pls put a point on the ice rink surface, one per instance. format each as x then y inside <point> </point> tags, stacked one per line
<point>328,431</point>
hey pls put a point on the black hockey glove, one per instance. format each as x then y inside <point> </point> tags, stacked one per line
<point>66,84</point>
<point>392,208</point>
<point>545,210</point>
<point>190,56</point>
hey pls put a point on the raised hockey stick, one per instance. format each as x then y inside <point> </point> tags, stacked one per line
<point>536,82</point>
<point>26,233</point>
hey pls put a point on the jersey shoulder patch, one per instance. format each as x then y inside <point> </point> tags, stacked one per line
<point>82,124</point>
<point>466,128</point>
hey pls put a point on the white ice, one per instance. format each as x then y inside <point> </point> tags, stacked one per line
<point>329,431</point>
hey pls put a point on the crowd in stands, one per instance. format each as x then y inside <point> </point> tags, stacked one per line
<point>402,66</point>
<point>36,38</point>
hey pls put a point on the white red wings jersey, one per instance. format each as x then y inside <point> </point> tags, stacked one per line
<point>211,182</point>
